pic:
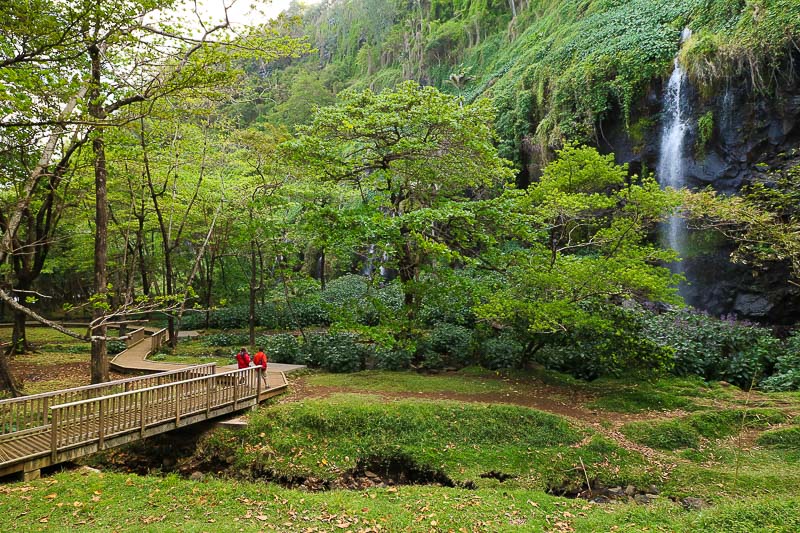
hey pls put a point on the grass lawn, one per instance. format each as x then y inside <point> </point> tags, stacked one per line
<point>742,462</point>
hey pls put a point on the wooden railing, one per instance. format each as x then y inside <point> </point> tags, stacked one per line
<point>157,340</point>
<point>32,412</point>
<point>135,336</point>
<point>98,419</point>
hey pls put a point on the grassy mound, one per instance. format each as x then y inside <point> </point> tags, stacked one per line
<point>787,438</point>
<point>323,439</point>
<point>686,432</point>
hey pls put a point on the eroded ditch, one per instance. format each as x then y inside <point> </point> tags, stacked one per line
<point>183,453</point>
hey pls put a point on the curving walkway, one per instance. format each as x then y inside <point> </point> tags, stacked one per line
<point>145,341</point>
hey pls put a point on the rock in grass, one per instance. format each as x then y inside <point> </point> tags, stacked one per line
<point>693,504</point>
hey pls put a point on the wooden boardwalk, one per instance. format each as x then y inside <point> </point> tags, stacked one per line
<point>46,429</point>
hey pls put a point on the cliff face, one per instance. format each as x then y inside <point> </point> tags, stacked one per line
<point>751,134</point>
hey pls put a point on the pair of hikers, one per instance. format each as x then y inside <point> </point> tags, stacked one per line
<point>259,360</point>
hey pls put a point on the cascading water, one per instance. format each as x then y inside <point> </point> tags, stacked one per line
<point>672,161</point>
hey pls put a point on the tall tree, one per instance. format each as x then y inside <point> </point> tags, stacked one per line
<point>125,60</point>
<point>404,151</point>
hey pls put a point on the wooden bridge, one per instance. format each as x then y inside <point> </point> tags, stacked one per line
<point>46,429</point>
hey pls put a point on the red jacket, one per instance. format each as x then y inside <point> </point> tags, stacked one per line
<point>260,359</point>
<point>243,359</point>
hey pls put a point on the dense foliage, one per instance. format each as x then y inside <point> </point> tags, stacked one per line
<point>362,197</point>
<point>554,69</point>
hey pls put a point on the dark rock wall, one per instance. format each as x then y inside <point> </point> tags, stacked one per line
<point>753,134</point>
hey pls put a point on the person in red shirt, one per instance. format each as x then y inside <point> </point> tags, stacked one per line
<point>260,359</point>
<point>243,358</point>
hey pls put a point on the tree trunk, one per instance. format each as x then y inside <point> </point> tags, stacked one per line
<point>140,251</point>
<point>19,338</point>
<point>209,285</point>
<point>99,355</point>
<point>173,337</point>
<point>7,380</point>
<point>99,362</point>
<point>407,270</point>
<point>321,261</point>
<point>252,318</point>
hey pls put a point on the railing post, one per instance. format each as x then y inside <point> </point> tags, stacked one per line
<point>208,396</point>
<point>177,403</point>
<point>236,390</point>
<point>101,430</point>
<point>259,376</point>
<point>142,411</point>
<point>54,435</point>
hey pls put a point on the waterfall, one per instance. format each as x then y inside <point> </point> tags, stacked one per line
<point>671,167</point>
<point>368,264</point>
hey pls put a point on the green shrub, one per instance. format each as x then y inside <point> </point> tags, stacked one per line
<point>336,352</point>
<point>705,130</point>
<point>193,320</point>
<point>269,316</point>
<point>393,358</point>
<point>448,345</point>
<point>226,339</point>
<point>610,343</point>
<point>447,297</point>
<point>307,311</point>
<point>786,375</point>
<point>729,350</point>
<point>353,299</point>
<point>281,348</point>
<point>501,352</point>
<point>115,347</point>
<point>229,317</point>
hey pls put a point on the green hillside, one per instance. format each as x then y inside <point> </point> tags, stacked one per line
<point>554,69</point>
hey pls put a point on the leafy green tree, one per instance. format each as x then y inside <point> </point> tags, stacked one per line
<point>570,243</point>
<point>89,67</point>
<point>403,151</point>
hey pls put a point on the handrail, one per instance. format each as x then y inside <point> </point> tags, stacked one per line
<point>101,385</point>
<point>135,336</point>
<point>154,387</point>
<point>18,414</point>
<point>157,339</point>
<point>97,419</point>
